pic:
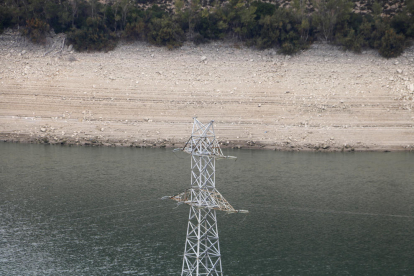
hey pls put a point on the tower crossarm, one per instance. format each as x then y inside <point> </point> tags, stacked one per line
<point>213,200</point>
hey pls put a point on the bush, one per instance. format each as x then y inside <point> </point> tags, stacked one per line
<point>5,18</point>
<point>36,30</point>
<point>352,41</point>
<point>263,9</point>
<point>165,32</point>
<point>392,44</point>
<point>292,44</point>
<point>208,28</point>
<point>199,39</point>
<point>94,37</point>
<point>270,30</point>
<point>134,31</point>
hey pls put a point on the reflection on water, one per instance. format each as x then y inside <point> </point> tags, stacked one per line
<point>97,211</point>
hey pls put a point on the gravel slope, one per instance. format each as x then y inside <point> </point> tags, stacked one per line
<point>140,95</point>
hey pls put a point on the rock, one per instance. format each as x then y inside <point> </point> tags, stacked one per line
<point>70,47</point>
<point>23,52</point>
<point>203,58</point>
<point>399,71</point>
<point>410,87</point>
<point>72,58</point>
<point>250,143</point>
<point>42,129</point>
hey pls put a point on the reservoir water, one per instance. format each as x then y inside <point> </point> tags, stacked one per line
<point>97,211</point>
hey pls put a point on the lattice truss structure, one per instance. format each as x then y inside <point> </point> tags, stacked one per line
<point>202,250</point>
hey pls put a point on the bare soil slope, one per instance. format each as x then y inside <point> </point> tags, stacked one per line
<point>140,95</point>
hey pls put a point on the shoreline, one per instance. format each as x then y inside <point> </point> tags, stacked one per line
<point>323,99</point>
<point>224,145</point>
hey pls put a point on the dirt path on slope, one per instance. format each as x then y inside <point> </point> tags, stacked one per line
<point>140,95</point>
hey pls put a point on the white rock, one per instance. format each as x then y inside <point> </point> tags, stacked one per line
<point>399,71</point>
<point>203,58</point>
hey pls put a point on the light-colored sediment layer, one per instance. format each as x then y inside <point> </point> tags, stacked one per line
<point>323,98</point>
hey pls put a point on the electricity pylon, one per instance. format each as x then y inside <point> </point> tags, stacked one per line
<point>202,250</point>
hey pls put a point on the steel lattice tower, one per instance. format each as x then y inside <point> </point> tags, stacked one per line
<point>202,249</point>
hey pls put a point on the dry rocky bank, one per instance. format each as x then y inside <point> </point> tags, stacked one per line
<point>323,99</point>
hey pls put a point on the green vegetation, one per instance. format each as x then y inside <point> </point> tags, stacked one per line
<point>94,26</point>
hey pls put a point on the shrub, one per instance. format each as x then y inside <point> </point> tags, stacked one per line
<point>134,30</point>
<point>270,30</point>
<point>392,44</point>
<point>5,18</point>
<point>291,44</point>
<point>94,37</point>
<point>263,9</point>
<point>36,30</point>
<point>208,27</point>
<point>165,32</point>
<point>352,41</point>
<point>199,39</point>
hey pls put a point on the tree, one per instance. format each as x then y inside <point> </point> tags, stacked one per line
<point>193,17</point>
<point>302,18</point>
<point>329,13</point>
<point>124,11</point>
<point>94,7</point>
<point>75,5</point>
